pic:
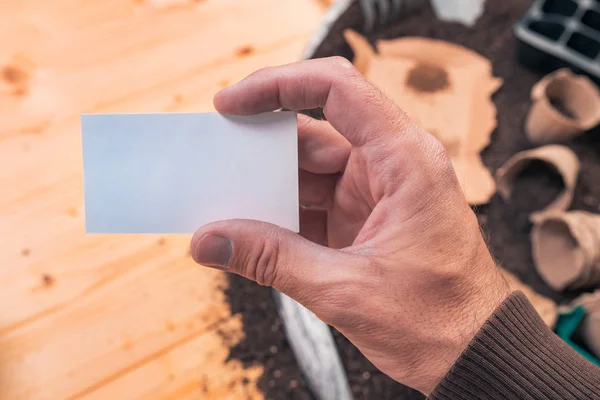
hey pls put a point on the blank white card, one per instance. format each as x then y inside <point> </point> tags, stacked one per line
<point>173,173</point>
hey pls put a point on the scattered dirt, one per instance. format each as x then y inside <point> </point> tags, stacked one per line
<point>325,3</point>
<point>34,129</point>
<point>506,226</point>
<point>244,51</point>
<point>427,78</point>
<point>16,78</point>
<point>263,334</point>
<point>14,75</point>
<point>48,280</point>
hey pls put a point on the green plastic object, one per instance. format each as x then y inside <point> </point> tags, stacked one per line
<point>565,328</point>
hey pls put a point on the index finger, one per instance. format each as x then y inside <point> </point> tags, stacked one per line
<point>353,106</point>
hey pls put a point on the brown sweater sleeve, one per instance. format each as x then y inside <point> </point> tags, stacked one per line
<point>516,356</point>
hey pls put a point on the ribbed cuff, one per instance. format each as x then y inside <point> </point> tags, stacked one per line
<point>516,356</point>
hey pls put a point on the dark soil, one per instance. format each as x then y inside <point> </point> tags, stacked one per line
<point>506,225</point>
<point>265,342</point>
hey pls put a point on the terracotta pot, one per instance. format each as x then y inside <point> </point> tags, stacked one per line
<point>566,249</point>
<point>564,106</point>
<point>590,328</point>
<point>561,158</point>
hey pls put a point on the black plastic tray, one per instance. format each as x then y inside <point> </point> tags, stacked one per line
<point>561,33</point>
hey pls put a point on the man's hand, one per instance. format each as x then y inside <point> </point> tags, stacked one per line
<point>406,275</point>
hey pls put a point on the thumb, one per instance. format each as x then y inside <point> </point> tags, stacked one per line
<point>270,256</point>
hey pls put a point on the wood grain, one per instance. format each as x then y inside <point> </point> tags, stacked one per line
<point>115,316</point>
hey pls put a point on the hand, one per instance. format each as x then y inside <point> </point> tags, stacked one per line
<point>407,276</point>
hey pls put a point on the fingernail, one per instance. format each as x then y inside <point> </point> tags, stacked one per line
<point>213,251</point>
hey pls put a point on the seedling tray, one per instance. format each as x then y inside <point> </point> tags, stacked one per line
<point>561,33</point>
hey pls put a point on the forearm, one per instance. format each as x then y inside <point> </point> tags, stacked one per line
<point>515,355</point>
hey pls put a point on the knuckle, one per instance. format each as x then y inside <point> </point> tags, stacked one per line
<point>262,263</point>
<point>343,71</point>
<point>402,123</point>
<point>442,169</point>
<point>433,165</point>
<point>392,117</point>
<point>438,153</point>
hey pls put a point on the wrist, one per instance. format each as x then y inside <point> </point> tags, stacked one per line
<point>475,301</point>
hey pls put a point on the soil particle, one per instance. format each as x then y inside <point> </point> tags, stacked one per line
<point>48,280</point>
<point>14,75</point>
<point>244,51</point>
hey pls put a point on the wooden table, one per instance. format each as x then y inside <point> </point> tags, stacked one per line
<point>115,316</point>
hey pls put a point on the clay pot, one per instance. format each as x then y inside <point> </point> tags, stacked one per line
<point>590,328</point>
<point>564,106</point>
<point>566,249</point>
<point>561,158</point>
